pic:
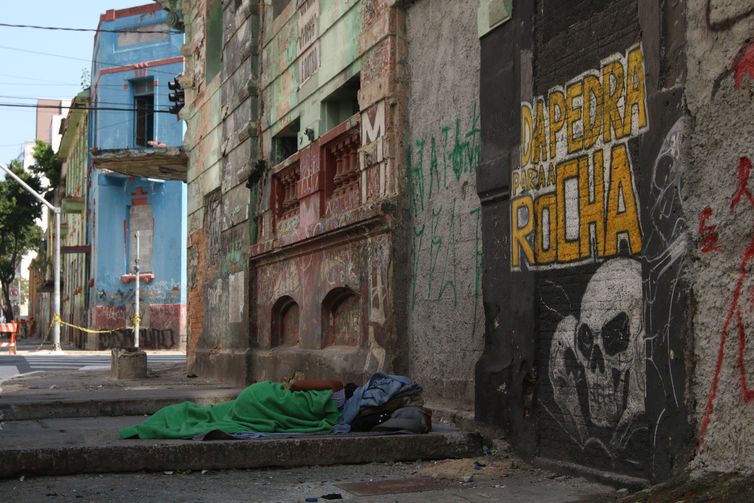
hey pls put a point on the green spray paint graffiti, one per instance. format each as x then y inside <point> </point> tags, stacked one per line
<point>435,188</point>
<point>462,156</point>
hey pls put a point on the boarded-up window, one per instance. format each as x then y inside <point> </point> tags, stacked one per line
<point>140,219</point>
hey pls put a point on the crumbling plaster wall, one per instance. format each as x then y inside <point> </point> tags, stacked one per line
<point>322,266</point>
<point>720,99</point>
<point>442,152</point>
<point>220,141</point>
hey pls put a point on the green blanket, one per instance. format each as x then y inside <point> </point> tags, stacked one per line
<point>262,407</point>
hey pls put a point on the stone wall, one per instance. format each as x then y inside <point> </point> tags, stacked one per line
<point>442,153</point>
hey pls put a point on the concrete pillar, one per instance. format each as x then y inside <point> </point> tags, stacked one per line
<point>128,363</point>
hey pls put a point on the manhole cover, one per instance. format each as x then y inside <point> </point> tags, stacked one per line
<point>397,486</point>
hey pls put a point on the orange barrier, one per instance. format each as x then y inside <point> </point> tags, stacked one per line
<point>10,328</point>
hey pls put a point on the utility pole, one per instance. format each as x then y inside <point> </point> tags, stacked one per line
<point>56,273</point>
<point>137,316</point>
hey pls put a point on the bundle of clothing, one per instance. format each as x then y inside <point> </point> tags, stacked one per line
<point>385,404</point>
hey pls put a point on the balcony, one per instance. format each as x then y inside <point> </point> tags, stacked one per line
<point>170,163</point>
<point>285,197</point>
<point>340,158</point>
<point>74,205</point>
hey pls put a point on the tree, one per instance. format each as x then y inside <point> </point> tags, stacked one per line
<point>46,164</point>
<point>18,231</point>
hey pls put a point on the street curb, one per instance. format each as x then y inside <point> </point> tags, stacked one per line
<point>605,477</point>
<point>137,405</point>
<point>144,455</point>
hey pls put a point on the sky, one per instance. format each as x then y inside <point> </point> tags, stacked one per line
<point>26,76</point>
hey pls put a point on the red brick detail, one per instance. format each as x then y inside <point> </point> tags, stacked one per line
<point>128,278</point>
<point>113,14</point>
<point>309,171</point>
<point>166,324</point>
<point>341,171</point>
<point>195,329</point>
<point>137,66</point>
<point>285,199</point>
<point>109,317</point>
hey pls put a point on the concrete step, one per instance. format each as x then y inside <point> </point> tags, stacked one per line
<point>131,402</point>
<point>67,446</point>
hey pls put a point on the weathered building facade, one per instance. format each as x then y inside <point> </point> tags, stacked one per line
<point>220,83</point>
<point>322,294</point>
<point>310,249</point>
<point>73,154</point>
<point>441,151</point>
<point>518,213</point>
<point>614,181</point>
<point>135,153</point>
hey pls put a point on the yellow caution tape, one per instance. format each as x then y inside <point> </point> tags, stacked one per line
<point>58,319</point>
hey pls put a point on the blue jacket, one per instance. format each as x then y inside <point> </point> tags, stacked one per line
<point>378,390</point>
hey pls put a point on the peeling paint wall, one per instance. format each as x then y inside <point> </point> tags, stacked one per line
<point>720,206</point>
<point>221,132</point>
<point>74,153</point>
<point>446,320</point>
<point>322,282</point>
<point>119,205</point>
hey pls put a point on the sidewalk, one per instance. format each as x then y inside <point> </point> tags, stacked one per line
<point>67,422</point>
<point>34,346</point>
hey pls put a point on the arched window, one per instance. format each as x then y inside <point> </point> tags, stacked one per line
<point>341,318</point>
<point>285,323</point>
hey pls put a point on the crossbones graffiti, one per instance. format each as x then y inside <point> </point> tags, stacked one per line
<point>597,362</point>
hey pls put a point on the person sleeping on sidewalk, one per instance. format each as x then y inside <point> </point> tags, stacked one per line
<point>308,406</point>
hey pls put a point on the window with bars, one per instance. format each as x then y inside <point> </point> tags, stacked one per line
<point>144,111</point>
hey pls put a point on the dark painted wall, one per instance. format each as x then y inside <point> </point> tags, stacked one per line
<point>584,238</point>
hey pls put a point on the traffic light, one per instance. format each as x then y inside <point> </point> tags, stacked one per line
<point>177,96</point>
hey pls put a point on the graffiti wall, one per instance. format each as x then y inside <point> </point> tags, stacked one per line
<point>585,238</point>
<point>720,96</point>
<point>442,155</point>
<point>574,198</point>
<point>221,112</point>
<point>324,311</point>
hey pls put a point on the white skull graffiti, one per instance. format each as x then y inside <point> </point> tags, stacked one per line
<point>608,344</point>
<point>609,336</point>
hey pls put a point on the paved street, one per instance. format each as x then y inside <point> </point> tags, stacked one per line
<point>13,365</point>
<point>374,482</point>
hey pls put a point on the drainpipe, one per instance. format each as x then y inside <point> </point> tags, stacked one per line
<point>137,316</point>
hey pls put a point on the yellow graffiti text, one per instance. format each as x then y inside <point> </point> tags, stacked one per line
<point>592,211</point>
<point>608,103</point>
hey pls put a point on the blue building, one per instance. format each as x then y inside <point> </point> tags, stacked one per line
<point>136,180</point>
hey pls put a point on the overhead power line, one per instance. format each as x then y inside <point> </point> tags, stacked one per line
<point>33,98</point>
<point>96,30</point>
<point>115,109</point>
<point>78,84</point>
